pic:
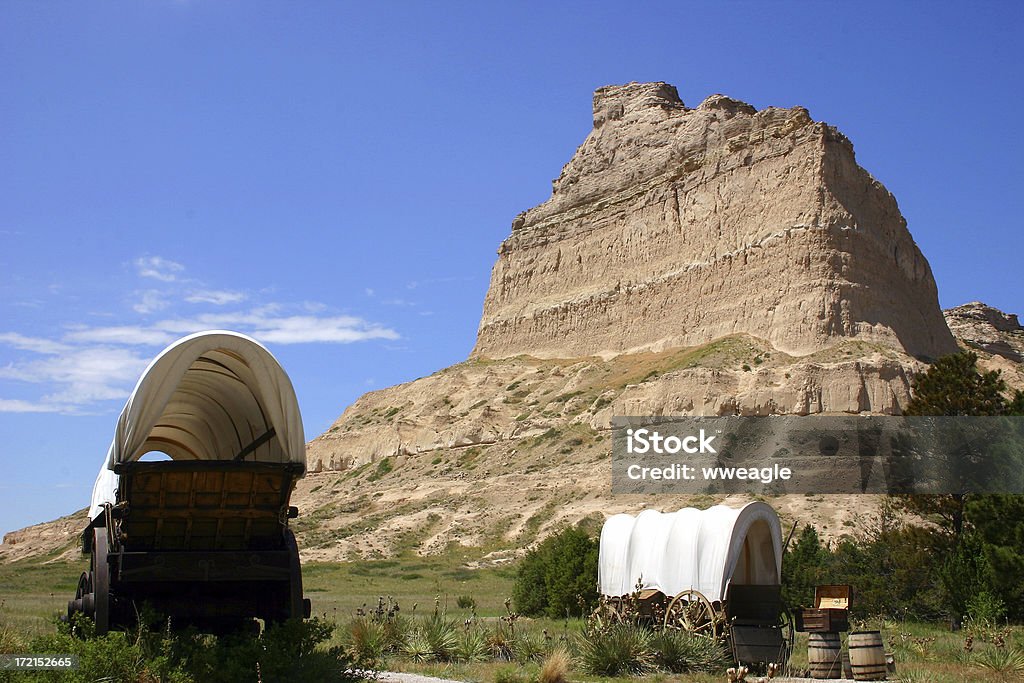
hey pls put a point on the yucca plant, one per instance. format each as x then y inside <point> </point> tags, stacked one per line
<point>471,645</point>
<point>396,631</point>
<point>681,652</point>
<point>620,650</point>
<point>529,647</point>
<point>501,641</point>
<point>366,641</point>
<point>442,635</point>
<point>417,648</point>
<point>1002,661</point>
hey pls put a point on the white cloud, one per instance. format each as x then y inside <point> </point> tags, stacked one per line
<point>150,301</point>
<point>158,268</point>
<point>121,334</point>
<point>414,284</point>
<point>307,329</point>
<point>77,378</point>
<point>277,329</point>
<point>36,344</point>
<point>86,366</point>
<point>101,367</point>
<point>313,307</point>
<point>17,406</point>
<point>215,297</point>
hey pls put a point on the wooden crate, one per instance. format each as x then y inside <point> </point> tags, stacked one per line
<point>822,620</point>
<point>833,597</point>
<point>831,612</point>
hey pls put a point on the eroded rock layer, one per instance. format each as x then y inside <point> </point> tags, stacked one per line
<point>673,227</point>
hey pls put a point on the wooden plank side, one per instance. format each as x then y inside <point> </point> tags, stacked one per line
<point>752,644</point>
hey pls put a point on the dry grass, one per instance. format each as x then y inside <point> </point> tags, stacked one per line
<point>555,668</point>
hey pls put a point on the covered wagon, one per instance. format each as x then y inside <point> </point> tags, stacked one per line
<point>714,572</point>
<point>190,509</point>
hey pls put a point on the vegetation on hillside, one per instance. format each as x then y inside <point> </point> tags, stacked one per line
<point>953,556</point>
<point>558,578</point>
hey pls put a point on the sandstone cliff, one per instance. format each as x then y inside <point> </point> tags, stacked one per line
<point>673,227</point>
<point>996,337</point>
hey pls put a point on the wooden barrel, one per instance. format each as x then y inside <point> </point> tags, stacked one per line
<point>867,656</point>
<point>823,655</point>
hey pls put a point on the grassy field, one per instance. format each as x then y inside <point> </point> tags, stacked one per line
<point>340,588</point>
<point>32,593</point>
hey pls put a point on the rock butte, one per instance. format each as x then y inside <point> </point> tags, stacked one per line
<point>673,227</point>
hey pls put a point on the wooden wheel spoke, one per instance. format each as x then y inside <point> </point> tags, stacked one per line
<point>690,611</point>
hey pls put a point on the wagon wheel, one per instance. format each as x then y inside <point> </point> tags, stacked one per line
<point>787,630</point>
<point>616,610</point>
<point>84,586</point>
<point>83,597</point>
<point>690,611</point>
<point>296,607</point>
<point>608,611</point>
<point>100,580</point>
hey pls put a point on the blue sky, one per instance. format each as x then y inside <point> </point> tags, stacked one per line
<point>334,178</point>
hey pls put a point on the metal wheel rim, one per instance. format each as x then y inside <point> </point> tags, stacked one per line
<point>788,634</point>
<point>100,580</point>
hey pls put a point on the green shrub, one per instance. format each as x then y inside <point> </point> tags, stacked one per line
<point>529,647</point>
<point>1005,662</point>
<point>804,566</point>
<point>681,652</point>
<point>512,674</point>
<point>396,631</point>
<point>441,634</point>
<point>366,641</point>
<point>384,467</point>
<point>417,648</point>
<point>10,641</point>
<point>621,650</point>
<point>985,609</point>
<point>502,641</point>
<point>466,602</point>
<point>294,650</point>
<point>558,578</point>
<point>471,645</point>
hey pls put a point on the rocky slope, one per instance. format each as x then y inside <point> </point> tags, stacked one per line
<point>996,337</point>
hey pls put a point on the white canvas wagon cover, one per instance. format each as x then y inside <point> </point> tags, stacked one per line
<point>694,549</point>
<point>208,396</point>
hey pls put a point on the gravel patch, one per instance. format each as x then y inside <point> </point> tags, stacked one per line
<point>394,677</point>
